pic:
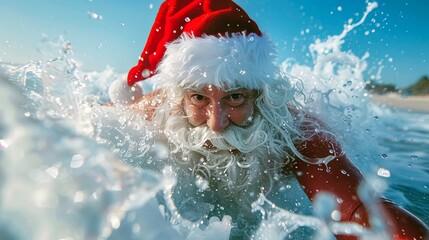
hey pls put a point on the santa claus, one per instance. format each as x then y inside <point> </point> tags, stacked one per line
<point>231,118</point>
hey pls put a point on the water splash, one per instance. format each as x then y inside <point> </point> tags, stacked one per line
<point>78,187</point>
<point>279,223</point>
<point>52,165</point>
<point>334,88</point>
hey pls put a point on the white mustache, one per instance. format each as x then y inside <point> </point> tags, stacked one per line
<point>243,139</point>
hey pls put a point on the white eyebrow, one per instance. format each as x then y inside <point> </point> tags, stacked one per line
<point>226,91</point>
<point>194,90</point>
<point>235,89</point>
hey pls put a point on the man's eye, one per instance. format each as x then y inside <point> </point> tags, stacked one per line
<point>235,99</point>
<point>198,97</point>
<point>235,96</point>
<point>199,100</point>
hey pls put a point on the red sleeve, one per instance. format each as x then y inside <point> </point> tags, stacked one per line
<point>341,178</point>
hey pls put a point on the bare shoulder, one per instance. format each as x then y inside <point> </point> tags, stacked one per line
<point>148,103</point>
<point>316,139</point>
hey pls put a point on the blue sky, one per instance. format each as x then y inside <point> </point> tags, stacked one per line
<point>396,34</point>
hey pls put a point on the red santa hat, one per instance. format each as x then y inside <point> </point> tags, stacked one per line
<point>191,39</point>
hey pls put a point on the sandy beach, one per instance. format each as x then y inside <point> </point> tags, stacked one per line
<point>413,103</point>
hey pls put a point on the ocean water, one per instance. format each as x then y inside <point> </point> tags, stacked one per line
<point>405,138</point>
<point>72,168</point>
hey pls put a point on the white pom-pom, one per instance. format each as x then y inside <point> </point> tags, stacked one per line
<point>122,94</point>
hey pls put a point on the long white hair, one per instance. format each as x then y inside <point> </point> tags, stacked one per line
<point>240,160</point>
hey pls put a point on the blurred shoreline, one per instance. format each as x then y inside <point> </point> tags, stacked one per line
<point>413,103</point>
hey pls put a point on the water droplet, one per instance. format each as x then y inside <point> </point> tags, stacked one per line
<point>77,161</point>
<point>95,16</point>
<point>376,117</point>
<point>136,228</point>
<point>414,157</point>
<point>53,171</point>
<point>382,172</point>
<point>336,215</point>
<point>146,73</point>
<point>201,183</point>
<point>78,197</point>
<point>242,72</point>
<point>3,144</point>
<point>187,19</point>
<point>384,155</point>
<point>115,222</point>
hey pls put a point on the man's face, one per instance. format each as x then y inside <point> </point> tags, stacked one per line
<point>218,108</point>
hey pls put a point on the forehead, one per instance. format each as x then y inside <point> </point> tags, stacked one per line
<point>206,89</point>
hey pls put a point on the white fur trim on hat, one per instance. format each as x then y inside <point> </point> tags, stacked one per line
<point>122,94</point>
<point>233,61</point>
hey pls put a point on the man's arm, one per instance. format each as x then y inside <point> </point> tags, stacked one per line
<point>146,104</point>
<point>341,178</point>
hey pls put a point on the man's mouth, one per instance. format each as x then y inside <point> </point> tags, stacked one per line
<point>209,146</point>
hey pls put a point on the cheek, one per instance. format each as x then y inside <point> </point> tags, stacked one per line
<point>196,116</point>
<point>239,116</point>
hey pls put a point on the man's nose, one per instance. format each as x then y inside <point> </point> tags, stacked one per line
<point>218,117</point>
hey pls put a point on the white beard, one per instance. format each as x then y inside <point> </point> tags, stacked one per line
<point>240,162</point>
